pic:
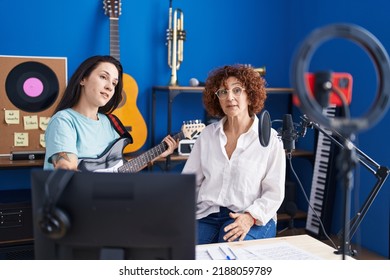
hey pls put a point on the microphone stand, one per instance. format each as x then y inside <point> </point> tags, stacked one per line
<point>348,158</point>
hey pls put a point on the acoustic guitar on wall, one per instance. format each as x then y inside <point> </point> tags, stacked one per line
<point>127,111</point>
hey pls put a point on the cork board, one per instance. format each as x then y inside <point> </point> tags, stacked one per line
<point>30,89</point>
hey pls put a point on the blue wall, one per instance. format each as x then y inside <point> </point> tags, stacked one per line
<point>256,32</point>
<point>305,16</point>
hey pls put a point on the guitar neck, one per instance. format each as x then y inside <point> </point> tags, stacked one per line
<point>138,163</point>
<point>114,38</point>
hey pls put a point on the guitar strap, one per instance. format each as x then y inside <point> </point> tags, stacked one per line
<point>119,127</point>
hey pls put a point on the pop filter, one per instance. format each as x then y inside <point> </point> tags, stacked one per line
<point>264,128</point>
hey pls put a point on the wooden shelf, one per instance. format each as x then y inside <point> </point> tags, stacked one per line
<point>178,158</point>
<point>5,162</point>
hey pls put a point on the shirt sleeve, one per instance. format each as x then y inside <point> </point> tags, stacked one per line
<point>273,185</point>
<point>193,163</point>
<point>60,136</point>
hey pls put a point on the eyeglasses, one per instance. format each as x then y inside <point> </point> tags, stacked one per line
<point>224,93</point>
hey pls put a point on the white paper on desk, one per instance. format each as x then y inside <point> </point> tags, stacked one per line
<point>278,251</point>
<point>221,252</point>
<point>201,253</point>
<point>216,253</point>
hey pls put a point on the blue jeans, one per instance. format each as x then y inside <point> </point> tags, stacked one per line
<point>210,228</point>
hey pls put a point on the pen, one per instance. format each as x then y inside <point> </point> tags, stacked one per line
<point>225,252</point>
<point>234,255</point>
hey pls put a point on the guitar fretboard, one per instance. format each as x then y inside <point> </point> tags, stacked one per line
<point>138,163</point>
<point>114,38</point>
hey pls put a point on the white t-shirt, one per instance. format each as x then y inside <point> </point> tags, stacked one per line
<point>252,180</point>
<point>71,132</point>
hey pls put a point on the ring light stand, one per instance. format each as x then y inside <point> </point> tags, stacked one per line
<point>380,172</point>
<point>347,126</point>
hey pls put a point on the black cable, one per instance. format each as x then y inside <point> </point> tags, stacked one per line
<point>308,202</point>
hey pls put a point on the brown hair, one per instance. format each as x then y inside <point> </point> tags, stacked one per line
<point>251,80</point>
<point>73,90</point>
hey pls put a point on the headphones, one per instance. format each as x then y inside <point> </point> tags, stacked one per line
<point>52,221</point>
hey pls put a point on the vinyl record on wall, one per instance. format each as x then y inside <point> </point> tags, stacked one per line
<point>32,86</point>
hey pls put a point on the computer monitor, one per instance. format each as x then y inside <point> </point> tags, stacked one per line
<point>115,215</point>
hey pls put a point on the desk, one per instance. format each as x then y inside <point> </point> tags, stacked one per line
<point>173,91</point>
<point>5,162</point>
<point>305,243</point>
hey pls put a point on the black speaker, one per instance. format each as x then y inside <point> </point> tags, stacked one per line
<point>17,252</point>
<point>53,221</point>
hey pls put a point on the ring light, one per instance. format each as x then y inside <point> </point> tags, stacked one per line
<point>377,53</point>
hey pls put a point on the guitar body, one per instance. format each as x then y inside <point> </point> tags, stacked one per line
<point>108,161</point>
<point>127,111</point>
<point>130,116</point>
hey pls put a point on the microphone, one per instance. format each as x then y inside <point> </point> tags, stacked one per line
<point>196,83</point>
<point>288,133</point>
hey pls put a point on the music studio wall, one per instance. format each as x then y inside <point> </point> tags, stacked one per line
<point>218,32</point>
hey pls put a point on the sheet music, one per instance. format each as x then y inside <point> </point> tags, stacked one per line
<point>201,253</point>
<point>278,251</point>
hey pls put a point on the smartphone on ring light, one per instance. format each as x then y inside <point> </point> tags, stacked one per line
<point>340,80</point>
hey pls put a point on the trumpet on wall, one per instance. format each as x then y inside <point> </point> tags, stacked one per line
<point>262,71</point>
<point>176,35</point>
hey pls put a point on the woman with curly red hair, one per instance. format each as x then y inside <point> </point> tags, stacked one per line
<point>240,182</point>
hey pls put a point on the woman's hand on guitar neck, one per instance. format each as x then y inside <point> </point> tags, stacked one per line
<point>172,145</point>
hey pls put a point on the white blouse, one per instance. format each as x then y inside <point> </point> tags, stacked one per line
<point>252,180</point>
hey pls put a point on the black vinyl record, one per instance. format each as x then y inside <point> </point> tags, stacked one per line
<point>32,86</point>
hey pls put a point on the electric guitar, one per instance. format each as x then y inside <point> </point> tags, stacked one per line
<point>111,160</point>
<point>127,111</point>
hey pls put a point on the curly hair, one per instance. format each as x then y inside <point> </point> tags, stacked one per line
<point>251,80</point>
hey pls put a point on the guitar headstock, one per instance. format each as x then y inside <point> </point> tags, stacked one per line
<point>192,129</point>
<point>112,8</point>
